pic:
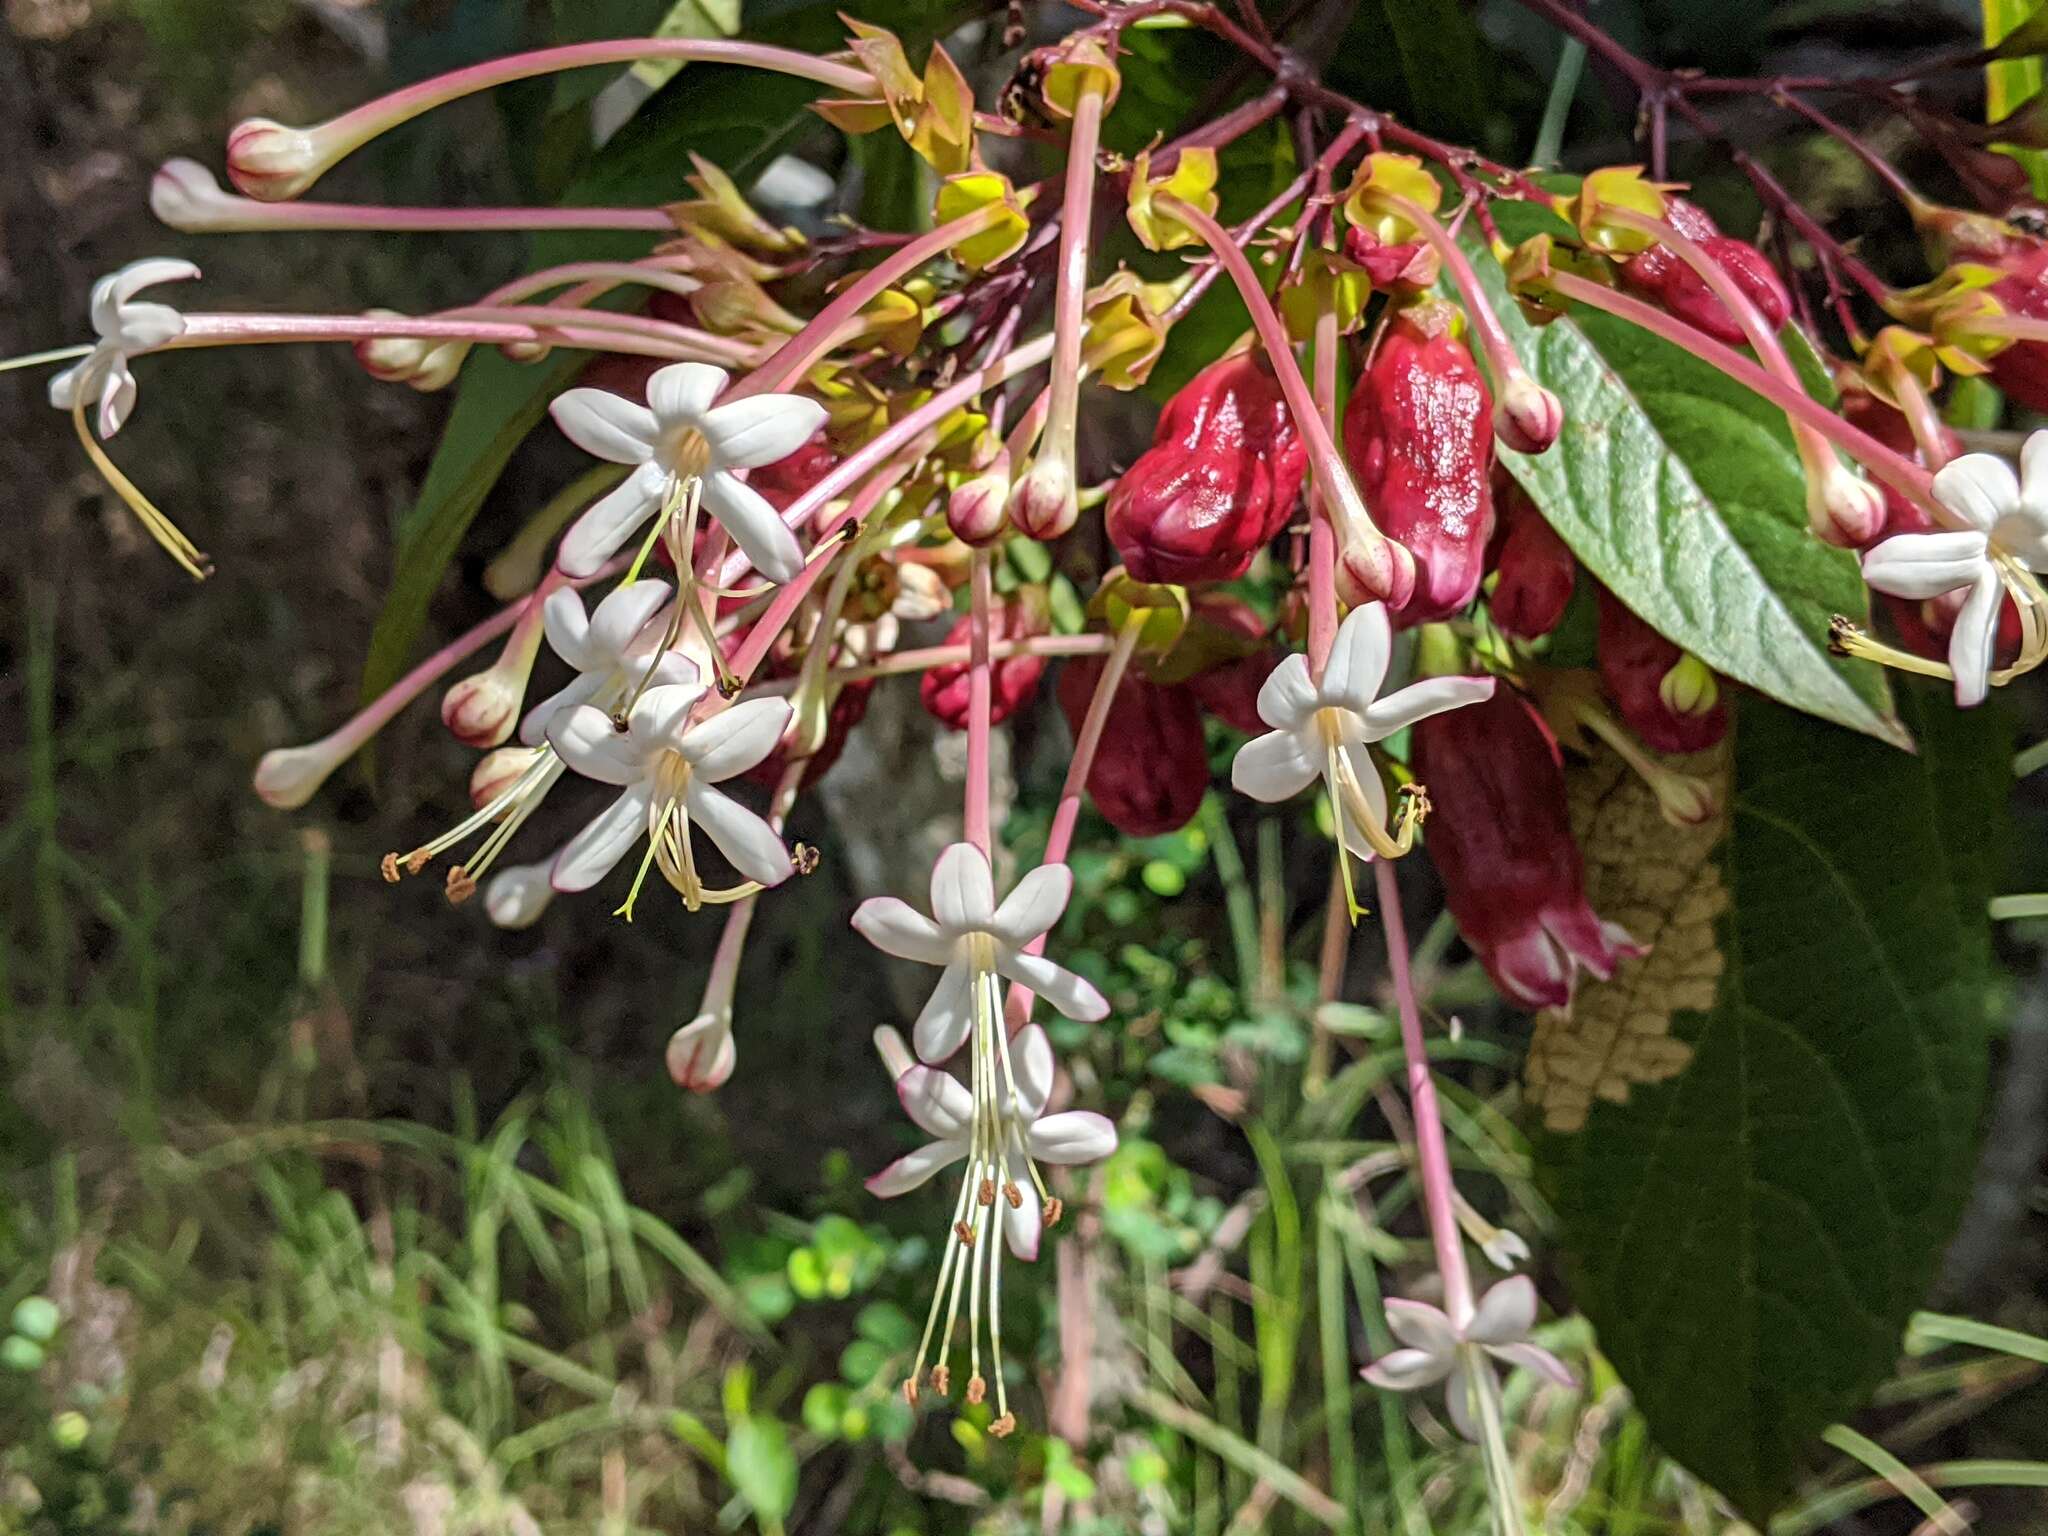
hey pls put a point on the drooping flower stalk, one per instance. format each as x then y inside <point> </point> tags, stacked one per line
<point>981,595</point>
<point>1045,504</point>
<point>184,195</point>
<point>924,659</point>
<point>1322,525</point>
<point>1841,509</point>
<point>1381,567</point>
<point>480,711</point>
<point>273,162</point>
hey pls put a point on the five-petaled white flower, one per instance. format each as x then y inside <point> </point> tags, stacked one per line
<point>2006,520</point>
<point>1437,1348</point>
<point>125,328</point>
<point>977,941</point>
<point>610,648</point>
<point>1325,730</point>
<point>680,435</point>
<point>666,768</point>
<point>942,1105</point>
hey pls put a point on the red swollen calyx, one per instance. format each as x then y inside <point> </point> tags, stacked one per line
<point>1536,571</point>
<point>1666,279</point>
<point>1219,481</point>
<point>1500,835</point>
<point>1022,615</point>
<point>1668,697</point>
<point>1419,435</point>
<point>1151,769</point>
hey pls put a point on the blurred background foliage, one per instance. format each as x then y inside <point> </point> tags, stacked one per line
<point>325,1208</point>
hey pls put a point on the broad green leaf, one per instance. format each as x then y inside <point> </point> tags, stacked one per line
<point>2011,81</point>
<point>1751,1236</point>
<point>1440,51</point>
<point>1681,490</point>
<point>762,1466</point>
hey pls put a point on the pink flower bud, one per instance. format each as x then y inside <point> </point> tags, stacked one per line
<point>271,162</point>
<point>1220,480</point>
<point>978,510</point>
<point>1529,417</point>
<point>1842,508</point>
<point>418,361</point>
<point>1012,679</point>
<point>1045,503</point>
<point>496,772</point>
<point>290,776</point>
<point>1889,426</point>
<point>1151,768</point>
<point>1372,568</point>
<point>481,710</point>
<point>1537,571</point>
<point>515,898</point>
<point>1501,838</point>
<point>701,1054</point>
<point>1667,279</point>
<point>1634,663</point>
<point>1419,435</point>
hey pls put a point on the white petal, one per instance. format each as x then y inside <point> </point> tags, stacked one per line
<point>735,739</point>
<point>914,1169</point>
<point>567,627</point>
<point>1979,488</point>
<point>1534,1357</point>
<point>760,429</point>
<point>1031,1059</point>
<point>963,890</point>
<point>149,325</point>
<point>1404,1370</point>
<point>1033,905</point>
<point>942,1027</point>
<point>749,844</point>
<point>591,745</point>
<point>1924,565</point>
<point>1288,696</point>
<point>1273,767</point>
<point>1358,661</point>
<point>1505,1314</point>
<point>897,928</point>
<point>1422,1326</point>
<point>2034,477</point>
<point>1073,1136</point>
<point>78,379</point>
<point>1023,1225</point>
<point>938,1101</point>
<point>755,526</point>
<point>1973,641</point>
<point>1072,996</point>
<point>607,425</point>
<point>111,293</point>
<point>681,393</point>
<point>622,615</point>
<point>661,714</point>
<point>592,853</point>
<point>598,533</point>
<point>1458,1398</point>
<point>1418,701</point>
<point>533,730</point>
<point>117,396</point>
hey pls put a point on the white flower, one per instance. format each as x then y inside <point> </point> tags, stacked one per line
<point>2006,518</point>
<point>125,328</point>
<point>941,1104</point>
<point>1326,730</point>
<point>666,768</point>
<point>610,649</point>
<point>679,435</point>
<point>976,941</point>
<point>1436,1348</point>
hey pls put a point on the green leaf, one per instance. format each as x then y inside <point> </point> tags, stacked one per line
<point>762,1466</point>
<point>1682,491</point>
<point>1440,51</point>
<point>2020,29</point>
<point>1751,1236</point>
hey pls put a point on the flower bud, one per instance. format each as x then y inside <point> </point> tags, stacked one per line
<point>421,362</point>
<point>1635,662</point>
<point>978,510</point>
<point>1889,426</point>
<point>1500,836</point>
<point>1689,688</point>
<point>1045,503</point>
<point>1529,417</point>
<point>1372,568</point>
<point>1151,767</point>
<point>1667,279</point>
<point>1536,568</point>
<point>185,195</point>
<point>1221,478</point>
<point>1012,679</point>
<point>496,772</point>
<point>1409,266</point>
<point>271,162</point>
<point>1842,508</point>
<point>516,897</point>
<point>1419,435</point>
<point>288,777</point>
<point>481,710</point>
<point>921,593</point>
<point>701,1055</point>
